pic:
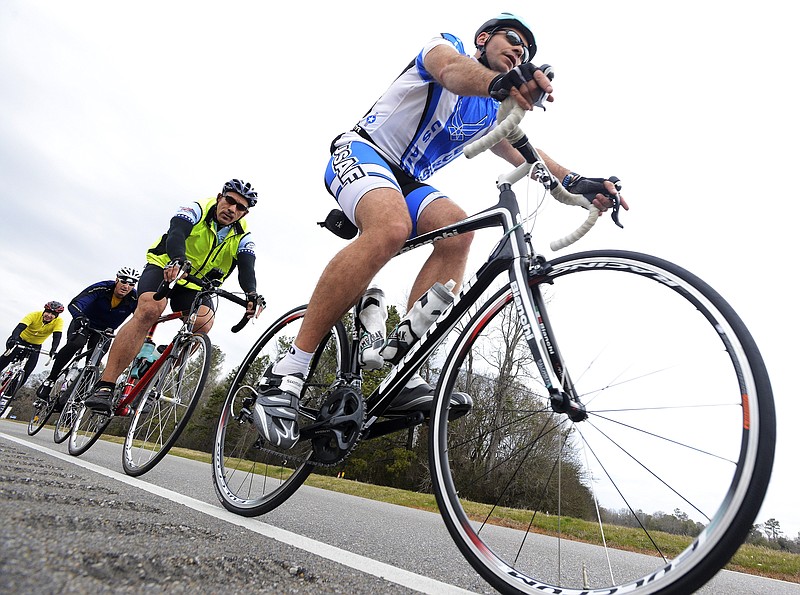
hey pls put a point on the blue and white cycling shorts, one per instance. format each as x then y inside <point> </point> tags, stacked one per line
<point>356,167</point>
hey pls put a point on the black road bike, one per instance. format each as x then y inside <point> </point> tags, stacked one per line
<point>72,385</point>
<point>664,406</point>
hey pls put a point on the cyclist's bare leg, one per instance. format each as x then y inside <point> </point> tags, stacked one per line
<point>385,225</point>
<point>449,257</point>
<point>131,335</point>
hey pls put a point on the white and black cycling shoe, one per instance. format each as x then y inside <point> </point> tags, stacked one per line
<point>275,409</point>
<point>419,397</point>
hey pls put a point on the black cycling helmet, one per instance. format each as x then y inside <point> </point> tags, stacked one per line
<point>54,307</point>
<point>128,274</point>
<point>243,188</point>
<point>508,20</point>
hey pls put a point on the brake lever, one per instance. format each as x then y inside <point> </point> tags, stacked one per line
<point>548,71</point>
<point>615,199</point>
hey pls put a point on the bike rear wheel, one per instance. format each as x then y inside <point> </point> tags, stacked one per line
<point>166,404</point>
<point>88,426</point>
<point>252,477</point>
<point>679,436</point>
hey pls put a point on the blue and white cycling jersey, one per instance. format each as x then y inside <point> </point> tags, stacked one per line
<point>421,126</point>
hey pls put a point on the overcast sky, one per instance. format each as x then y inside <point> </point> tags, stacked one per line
<point>113,114</point>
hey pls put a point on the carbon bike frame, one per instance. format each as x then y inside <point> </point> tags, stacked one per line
<point>514,254</point>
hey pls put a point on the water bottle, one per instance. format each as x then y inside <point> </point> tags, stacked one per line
<point>372,314</point>
<point>72,374</point>
<point>143,360</point>
<point>421,316</point>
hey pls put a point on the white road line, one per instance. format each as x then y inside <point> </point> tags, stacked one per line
<point>387,572</point>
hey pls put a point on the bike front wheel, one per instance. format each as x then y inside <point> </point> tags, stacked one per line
<point>87,426</point>
<point>166,404</point>
<point>673,457</point>
<point>252,477</point>
<point>8,388</point>
<point>42,410</point>
<point>75,392</point>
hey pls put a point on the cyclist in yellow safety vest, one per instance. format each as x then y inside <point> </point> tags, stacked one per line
<point>208,235</point>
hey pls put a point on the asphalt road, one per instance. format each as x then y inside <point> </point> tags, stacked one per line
<point>81,525</point>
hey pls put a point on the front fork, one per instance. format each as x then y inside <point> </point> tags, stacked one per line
<point>539,334</point>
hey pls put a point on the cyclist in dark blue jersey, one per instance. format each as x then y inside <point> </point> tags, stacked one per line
<point>102,305</point>
<point>443,100</point>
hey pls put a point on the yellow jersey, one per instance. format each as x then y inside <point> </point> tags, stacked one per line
<point>37,330</point>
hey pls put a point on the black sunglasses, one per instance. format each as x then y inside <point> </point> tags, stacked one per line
<point>514,38</point>
<point>233,202</point>
<point>130,282</point>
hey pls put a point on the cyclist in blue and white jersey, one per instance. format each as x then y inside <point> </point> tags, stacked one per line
<point>443,100</point>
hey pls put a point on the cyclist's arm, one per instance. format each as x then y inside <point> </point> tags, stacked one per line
<point>56,340</point>
<point>458,73</point>
<point>464,75</point>
<point>506,151</point>
<point>246,262</point>
<point>179,230</point>
<point>14,338</point>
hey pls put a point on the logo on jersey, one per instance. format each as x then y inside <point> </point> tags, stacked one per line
<point>460,130</point>
<point>346,165</point>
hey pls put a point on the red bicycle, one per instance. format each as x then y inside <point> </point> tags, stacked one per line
<point>158,392</point>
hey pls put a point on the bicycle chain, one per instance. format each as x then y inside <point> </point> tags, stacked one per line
<point>310,460</point>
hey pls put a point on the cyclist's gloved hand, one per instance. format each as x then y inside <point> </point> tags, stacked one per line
<point>10,342</point>
<point>174,269</point>
<point>501,85</point>
<point>52,353</point>
<point>588,187</point>
<point>591,187</point>
<point>255,304</point>
<point>81,324</point>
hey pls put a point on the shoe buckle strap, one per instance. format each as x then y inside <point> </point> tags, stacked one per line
<point>292,385</point>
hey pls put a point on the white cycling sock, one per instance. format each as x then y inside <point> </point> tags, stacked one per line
<point>296,361</point>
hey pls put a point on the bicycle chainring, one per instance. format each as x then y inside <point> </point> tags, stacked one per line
<point>341,420</point>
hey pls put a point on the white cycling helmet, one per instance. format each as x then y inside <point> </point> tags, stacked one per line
<point>129,274</point>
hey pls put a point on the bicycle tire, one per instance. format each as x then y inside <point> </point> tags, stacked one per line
<point>79,387</point>
<point>167,404</point>
<point>680,416</point>
<point>42,413</point>
<point>249,480</point>
<point>88,425</point>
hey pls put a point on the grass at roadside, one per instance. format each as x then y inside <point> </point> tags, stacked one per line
<point>749,558</point>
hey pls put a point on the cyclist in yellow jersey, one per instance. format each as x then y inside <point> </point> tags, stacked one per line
<point>209,234</point>
<point>32,331</point>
